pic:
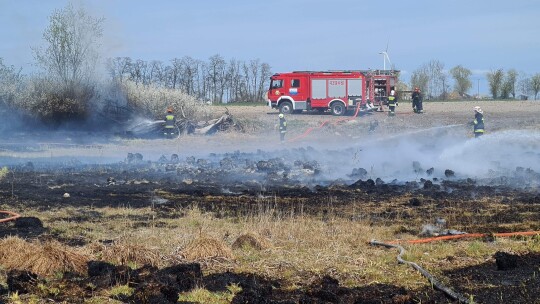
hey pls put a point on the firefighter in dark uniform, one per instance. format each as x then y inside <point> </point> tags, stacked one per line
<point>417,101</point>
<point>392,103</point>
<point>478,122</point>
<point>169,129</point>
<point>282,127</point>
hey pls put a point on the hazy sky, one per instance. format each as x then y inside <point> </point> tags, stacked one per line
<point>300,34</point>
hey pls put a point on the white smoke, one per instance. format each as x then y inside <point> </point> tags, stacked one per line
<point>492,154</point>
<point>500,152</point>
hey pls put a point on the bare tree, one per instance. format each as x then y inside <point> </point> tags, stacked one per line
<point>72,46</point>
<point>431,79</point>
<point>10,79</point>
<point>462,82</point>
<point>234,79</point>
<point>254,66</point>
<point>217,79</point>
<point>265,74</point>
<point>444,86</point>
<point>495,80</point>
<point>535,85</point>
<point>523,83</point>
<point>420,79</point>
<point>69,57</point>
<point>202,82</point>
<point>156,73</point>
<point>252,77</point>
<point>190,75</point>
<point>509,85</point>
<point>436,79</point>
<point>119,67</point>
<point>175,72</point>
<point>138,72</point>
<point>214,80</point>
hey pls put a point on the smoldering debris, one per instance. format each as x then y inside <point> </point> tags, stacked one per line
<point>146,128</point>
<point>438,228</point>
<point>235,172</point>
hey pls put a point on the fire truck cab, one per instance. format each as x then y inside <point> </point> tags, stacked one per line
<point>337,91</point>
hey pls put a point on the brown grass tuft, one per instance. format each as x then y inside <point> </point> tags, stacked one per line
<point>125,253</point>
<point>206,248</point>
<point>251,240</point>
<point>44,259</point>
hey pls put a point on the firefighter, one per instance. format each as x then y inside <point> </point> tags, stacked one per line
<point>417,101</point>
<point>282,127</point>
<point>169,128</point>
<point>392,103</point>
<point>478,122</point>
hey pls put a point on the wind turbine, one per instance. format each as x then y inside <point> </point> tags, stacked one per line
<point>385,57</point>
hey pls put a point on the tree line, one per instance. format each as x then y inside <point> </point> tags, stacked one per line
<point>69,88</point>
<point>215,80</point>
<point>433,80</point>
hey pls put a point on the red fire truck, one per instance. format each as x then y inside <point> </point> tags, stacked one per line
<point>337,91</point>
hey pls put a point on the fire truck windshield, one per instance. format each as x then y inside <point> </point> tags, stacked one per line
<point>276,84</point>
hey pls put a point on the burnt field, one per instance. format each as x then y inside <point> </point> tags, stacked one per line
<point>152,222</point>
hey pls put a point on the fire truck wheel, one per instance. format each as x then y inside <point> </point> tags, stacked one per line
<point>338,109</point>
<point>285,107</point>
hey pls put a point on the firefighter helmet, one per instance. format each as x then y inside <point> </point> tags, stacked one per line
<point>281,115</point>
<point>478,109</point>
<point>392,92</point>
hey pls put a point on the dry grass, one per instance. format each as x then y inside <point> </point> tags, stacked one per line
<point>125,253</point>
<point>206,247</point>
<point>44,259</point>
<point>251,240</point>
<point>303,246</point>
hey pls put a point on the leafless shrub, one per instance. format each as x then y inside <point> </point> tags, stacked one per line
<point>10,80</point>
<point>153,101</point>
<point>54,103</point>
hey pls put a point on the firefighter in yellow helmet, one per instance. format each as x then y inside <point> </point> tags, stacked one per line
<point>169,129</point>
<point>478,122</point>
<point>392,103</point>
<point>282,127</point>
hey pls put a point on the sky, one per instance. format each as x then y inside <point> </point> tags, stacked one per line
<point>289,35</point>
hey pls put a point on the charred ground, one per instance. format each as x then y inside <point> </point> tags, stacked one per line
<point>285,183</point>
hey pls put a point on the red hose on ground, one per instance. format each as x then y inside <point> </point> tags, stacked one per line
<point>466,235</point>
<point>309,130</point>
<point>438,285</point>
<point>13,216</point>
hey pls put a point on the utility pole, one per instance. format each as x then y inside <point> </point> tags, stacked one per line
<point>478,88</point>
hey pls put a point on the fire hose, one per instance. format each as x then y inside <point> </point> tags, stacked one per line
<point>324,123</point>
<point>309,130</point>
<point>452,294</point>
<point>13,216</point>
<point>434,282</point>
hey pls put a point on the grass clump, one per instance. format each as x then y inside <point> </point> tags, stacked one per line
<point>45,259</point>
<point>251,240</point>
<point>121,291</point>
<point>206,247</point>
<point>201,295</point>
<point>124,253</point>
<point>3,172</point>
